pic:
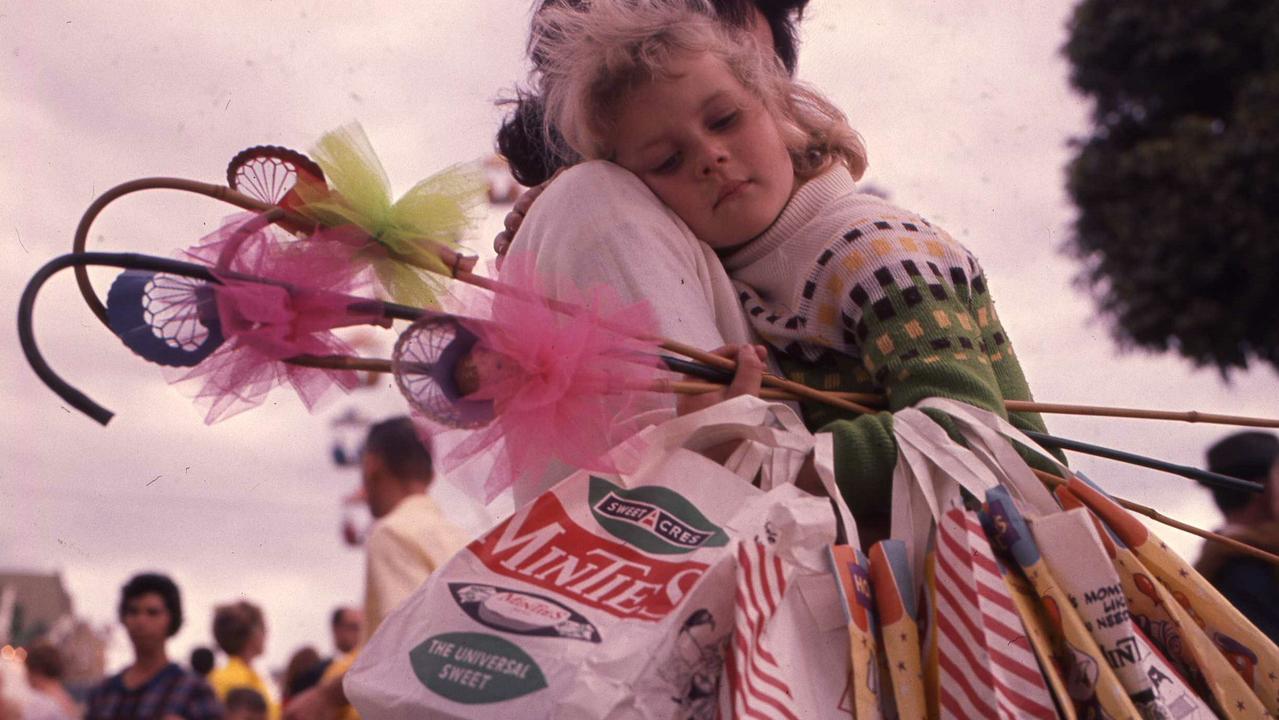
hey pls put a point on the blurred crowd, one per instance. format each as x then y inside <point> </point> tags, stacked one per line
<point>214,682</point>
<point>409,539</point>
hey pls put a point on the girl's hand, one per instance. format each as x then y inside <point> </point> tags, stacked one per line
<point>750,374</point>
<point>515,218</point>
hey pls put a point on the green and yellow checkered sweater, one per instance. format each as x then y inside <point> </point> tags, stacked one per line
<point>862,296</point>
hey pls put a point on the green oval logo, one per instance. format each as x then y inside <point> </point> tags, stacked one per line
<point>474,668</point>
<point>652,518</point>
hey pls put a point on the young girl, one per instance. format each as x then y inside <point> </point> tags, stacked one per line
<point>855,294</point>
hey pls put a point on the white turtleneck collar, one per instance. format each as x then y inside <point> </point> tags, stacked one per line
<point>804,206</point>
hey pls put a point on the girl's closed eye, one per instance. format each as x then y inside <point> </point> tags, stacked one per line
<point>726,121</point>
<point>669,165</point>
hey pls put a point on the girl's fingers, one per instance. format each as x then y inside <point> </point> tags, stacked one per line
<point>515,218</point>
<point>747,380</point>
<point>750,372</point>
<point>502,242</point>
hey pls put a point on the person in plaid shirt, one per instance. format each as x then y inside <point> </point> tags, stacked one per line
<point>153,687</point>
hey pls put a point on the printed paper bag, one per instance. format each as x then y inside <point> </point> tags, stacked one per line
<point>1079,562</point>
<point>1176,629</point>
<point>984,666</point>
<point>609,595</point>
<point>895,601</point>
<point>1037,632</point>
<point>851,572</point>
<point>789,652</point>
<point>1090,681</point>
<point>988,433</point>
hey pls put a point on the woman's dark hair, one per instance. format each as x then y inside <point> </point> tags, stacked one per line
<point>245,698</point>
<point>202,661</point>
<point>521,139</point>
<point>161,585</point>
<point>301,672</point>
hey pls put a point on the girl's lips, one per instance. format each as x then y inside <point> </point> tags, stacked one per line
<point>729,190</point>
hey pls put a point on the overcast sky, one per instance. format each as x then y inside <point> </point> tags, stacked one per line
<point>967,116</point>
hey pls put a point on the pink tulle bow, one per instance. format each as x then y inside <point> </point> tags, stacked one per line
<point>265,323</point>
<point>568,388</point>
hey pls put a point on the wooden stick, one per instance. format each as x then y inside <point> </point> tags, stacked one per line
<point>461,267</point>
<point>342,362</point>
<point>1190,416</point>
<point>455,261</point>
<point>689,351</point>
<point>769,379</point>
<point>1052,481</point>
<point>695,387</point>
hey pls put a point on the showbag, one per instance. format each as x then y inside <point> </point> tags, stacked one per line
<point>617,595</point>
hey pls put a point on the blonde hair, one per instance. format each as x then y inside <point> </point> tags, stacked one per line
<point>594,52</point>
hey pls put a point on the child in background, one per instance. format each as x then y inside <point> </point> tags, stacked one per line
<point>853,293</point>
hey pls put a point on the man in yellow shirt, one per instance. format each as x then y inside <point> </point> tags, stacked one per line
<point>240,630</point>
<point>410,539</point>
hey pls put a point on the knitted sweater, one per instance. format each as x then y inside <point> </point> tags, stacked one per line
<point>859,295</point>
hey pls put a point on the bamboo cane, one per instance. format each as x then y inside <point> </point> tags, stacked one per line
<point>1187,416</point>
<point>693,387</point>
<point>462,266</point>
<point>1053,482</point>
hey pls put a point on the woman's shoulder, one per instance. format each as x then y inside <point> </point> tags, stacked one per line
<point>594,177</point>
<point>596,219</point>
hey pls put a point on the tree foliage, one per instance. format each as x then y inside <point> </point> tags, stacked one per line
<point>1177,186</point>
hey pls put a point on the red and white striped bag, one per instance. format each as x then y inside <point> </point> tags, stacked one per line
<point>788,655</point>
<point>759,685</point>
<point>980,661</point>
<point>987,668</point>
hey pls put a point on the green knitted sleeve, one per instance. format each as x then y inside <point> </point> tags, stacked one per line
<point>894,306</point>
<point>918,338</point>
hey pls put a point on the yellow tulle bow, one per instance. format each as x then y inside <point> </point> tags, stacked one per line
<point>437,210</point>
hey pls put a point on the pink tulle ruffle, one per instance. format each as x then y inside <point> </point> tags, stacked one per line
<point>568,388</point>
<point>265,323</point>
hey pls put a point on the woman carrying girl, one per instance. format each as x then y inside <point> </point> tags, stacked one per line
<point>851,292</point>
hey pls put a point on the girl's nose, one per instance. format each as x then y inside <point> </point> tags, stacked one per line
<point>714,159</point>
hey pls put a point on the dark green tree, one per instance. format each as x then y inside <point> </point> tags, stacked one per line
<point>1177,186</point>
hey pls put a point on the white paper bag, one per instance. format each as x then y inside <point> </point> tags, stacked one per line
<point>613,596</point>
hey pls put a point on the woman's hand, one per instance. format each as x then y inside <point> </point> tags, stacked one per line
<point>515,218</point>
<point>746,381</point>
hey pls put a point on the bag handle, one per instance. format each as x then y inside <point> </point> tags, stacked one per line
<point>776,442</point>
<point>914,507</point>
<point>773,427</point>
<point>927,443</point>
<point>989,437</point>
<point>781,454</point>
<point>824,462</point>
<point>930,471</point>
<point>921,492</point>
